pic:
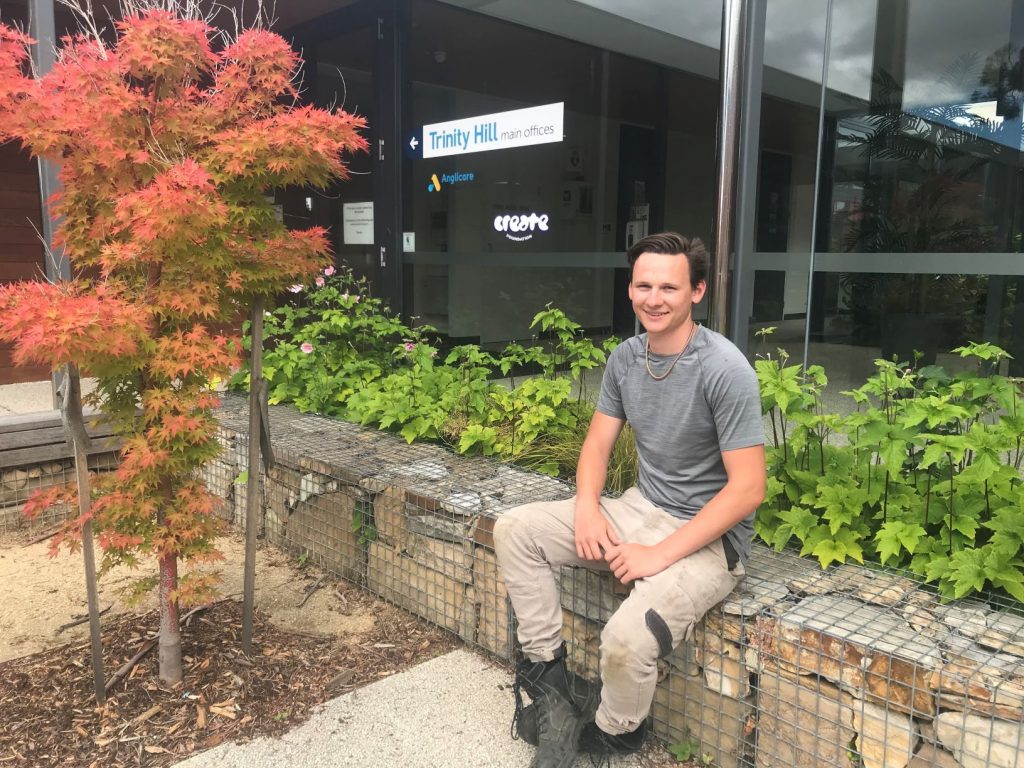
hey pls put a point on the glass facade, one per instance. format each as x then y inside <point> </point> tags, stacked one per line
<point>915,209</point>
<point>886,172</point>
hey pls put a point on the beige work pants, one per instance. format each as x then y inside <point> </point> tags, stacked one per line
<point>533,540</point>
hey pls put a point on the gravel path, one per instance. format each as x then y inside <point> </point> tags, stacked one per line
<point>449,712</point>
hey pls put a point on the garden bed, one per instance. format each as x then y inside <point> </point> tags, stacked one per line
<point>315,638</point>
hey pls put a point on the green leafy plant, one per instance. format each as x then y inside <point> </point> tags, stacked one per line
<point>687,748</point>
<point>417,400</point>
<point>924,474</point>
<point>362,523</point>
<point>331,340</point>
<point>571,351</point>
<point>558,455</point>
<point>335,349</point>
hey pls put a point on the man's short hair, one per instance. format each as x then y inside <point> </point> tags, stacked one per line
<point>673,244</point>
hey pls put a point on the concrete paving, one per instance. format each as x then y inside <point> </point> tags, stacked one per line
<point>25,398</point>
<point>453,711</point>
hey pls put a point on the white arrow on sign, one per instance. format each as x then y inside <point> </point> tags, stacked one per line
<point>413,143</point>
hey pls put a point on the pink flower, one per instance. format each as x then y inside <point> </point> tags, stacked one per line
<point>329,271</point>
<point>320,282</point>
<point>409,346</point>
<point>306,347</point>
<point>295,288</point>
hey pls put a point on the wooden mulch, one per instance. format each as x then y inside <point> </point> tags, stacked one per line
<point>49,717</point>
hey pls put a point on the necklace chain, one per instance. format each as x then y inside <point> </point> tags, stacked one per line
<point>647,355</point>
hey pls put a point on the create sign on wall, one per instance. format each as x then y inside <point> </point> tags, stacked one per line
<point>501,130</point>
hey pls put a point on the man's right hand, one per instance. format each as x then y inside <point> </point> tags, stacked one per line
<point>594,534</point>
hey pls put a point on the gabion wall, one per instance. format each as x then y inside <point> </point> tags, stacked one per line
<point>798,667</point>
<point>21,438</point>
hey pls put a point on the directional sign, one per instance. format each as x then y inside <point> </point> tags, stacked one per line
<point>413,146</point>
<point>500,130</point>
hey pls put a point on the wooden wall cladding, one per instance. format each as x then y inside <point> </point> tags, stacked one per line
<point>21,253</point>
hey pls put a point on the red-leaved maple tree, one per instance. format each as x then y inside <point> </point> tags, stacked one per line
<point>168,146</point>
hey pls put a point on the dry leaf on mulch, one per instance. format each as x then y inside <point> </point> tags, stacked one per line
<point>50,716</point>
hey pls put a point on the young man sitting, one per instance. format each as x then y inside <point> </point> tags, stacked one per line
<point>679,537</point>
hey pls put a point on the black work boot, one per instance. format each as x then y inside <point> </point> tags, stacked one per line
<point>558,717</point>
<point>593,741</point>
<point>601,746</point>
<point>584,695</point>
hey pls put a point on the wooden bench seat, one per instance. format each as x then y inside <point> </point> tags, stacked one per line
<point>32,438</point>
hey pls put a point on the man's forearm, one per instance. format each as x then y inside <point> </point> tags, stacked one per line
<point>590,475</point>
<point>728,507</point>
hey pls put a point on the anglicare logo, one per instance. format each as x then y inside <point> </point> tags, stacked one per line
<point>447,179</point>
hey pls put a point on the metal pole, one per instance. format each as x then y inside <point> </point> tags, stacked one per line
<point>747,176</point>
<point>734,14</point>
<point>42,28</point>
<point>252,486</point>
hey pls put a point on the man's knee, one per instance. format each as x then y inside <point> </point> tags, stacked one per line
<point>624,644</point>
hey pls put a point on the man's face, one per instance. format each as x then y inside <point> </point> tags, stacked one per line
<point>661,293</point>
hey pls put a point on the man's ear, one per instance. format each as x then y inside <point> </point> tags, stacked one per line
<point>698,292</point>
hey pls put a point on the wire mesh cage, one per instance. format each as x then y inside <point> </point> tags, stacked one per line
<point>35,456</point>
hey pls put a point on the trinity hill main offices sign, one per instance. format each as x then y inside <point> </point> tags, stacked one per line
<point>500,130</point>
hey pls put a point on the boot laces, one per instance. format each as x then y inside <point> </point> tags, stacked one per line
<point>517,691</point>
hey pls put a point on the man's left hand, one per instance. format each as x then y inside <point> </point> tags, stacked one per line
<point>634,561</point>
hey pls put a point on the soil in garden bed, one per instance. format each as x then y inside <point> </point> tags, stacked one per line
<point>50,717</point>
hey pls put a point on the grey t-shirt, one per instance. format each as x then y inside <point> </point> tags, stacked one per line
<point>709,403</point>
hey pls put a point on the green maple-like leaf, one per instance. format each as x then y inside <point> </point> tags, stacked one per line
<point>841,503</point>
<point>934,455</point>
<point>964,524</point>
<point>1011,580</point>
<point>773,489</point>
<point>893,453</point>
<point>835,548</point>
<point>799,520</point>
<point>1004,570</point>
<point>412,430</point>
<point>1007,526</point>
<point>936,568</point>
<point>896,536</point>
<point>685,750</point>
<point>967,572</point>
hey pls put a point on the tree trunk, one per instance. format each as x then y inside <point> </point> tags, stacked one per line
<point>170,634</point>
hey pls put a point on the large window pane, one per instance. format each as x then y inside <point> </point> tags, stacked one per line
<point>784,222</point>
<point>923,192</point>
<point>918,226</point>
<point>636,154</point>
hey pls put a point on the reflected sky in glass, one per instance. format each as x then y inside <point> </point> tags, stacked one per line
<point>947,41</point>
